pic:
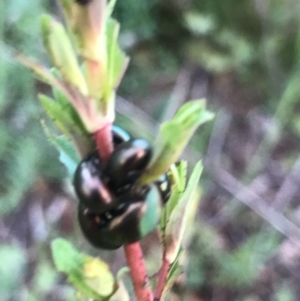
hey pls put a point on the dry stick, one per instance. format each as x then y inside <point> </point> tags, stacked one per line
<point>133,252</point>
<point>162,278</point>
<point>258,205</point>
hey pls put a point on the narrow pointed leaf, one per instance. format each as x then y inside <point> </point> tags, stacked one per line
<point>174,272</point>
<point>73,119</point>
<point>67,153</point>
<point>174,136</point>
<point>42,73</point>
<point>110,7</point>
<point>59,115</point>
<point>88,110</point>
<point>62,53</point>
<point>117,60</point>
<point>180,185</point>
<point>178,177</point>
<point>76,129</point>
<point>176,225</point>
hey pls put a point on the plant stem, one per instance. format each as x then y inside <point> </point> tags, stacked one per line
<point>104,143</point>
<point>135,261</point>
<point>162,278</point>
<point>133,252</point>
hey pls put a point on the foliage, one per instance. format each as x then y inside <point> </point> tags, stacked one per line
<point>255,49</point>
<point>90,276</point>
<point>83,105</point>
<point>20,136</point>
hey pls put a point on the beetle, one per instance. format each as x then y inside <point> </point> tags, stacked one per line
<point>113,209</point>
<point>138,217</point>
<point>127,163</point>
<point>95,229</point>
<point>90,185</point>
<point>90,181</point>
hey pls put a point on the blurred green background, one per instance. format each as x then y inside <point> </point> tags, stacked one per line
<point>244,58</point>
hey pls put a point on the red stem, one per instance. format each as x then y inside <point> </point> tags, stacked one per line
<point>104,143</point>
<point>133,252</point>
<point>162,278</point>
<point>135,261</point>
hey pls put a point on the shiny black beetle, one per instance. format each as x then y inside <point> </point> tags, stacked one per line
<point>113,209</point>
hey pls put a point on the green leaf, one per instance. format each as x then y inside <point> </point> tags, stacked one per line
<point>73,119</point>
<point>90,276</point>
<point>175,227</point>
<point>178,178</point>
<point>62,52</point>
<point>121,294</point>
<point>174,272</point>
<point>67,153</point>
<point>66,258</point>
<point>110,7</point>
<point>174,136</point>
<point>117,60</point>
<point>42,73</point>
<point>62,113</point>
<point>86,108</point>
<point>122,272</point>
<point>180,174</point>
<point>151,216</point>
<point>97,276</point>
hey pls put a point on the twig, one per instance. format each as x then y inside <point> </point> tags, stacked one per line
<point>133,252</point>
<point>162,278</point>
<point>179,93</point>
<point>258,205</point>
<point>217,138</point>
<point>288,188</point>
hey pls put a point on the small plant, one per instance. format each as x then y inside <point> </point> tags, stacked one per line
<point>126,187</point>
